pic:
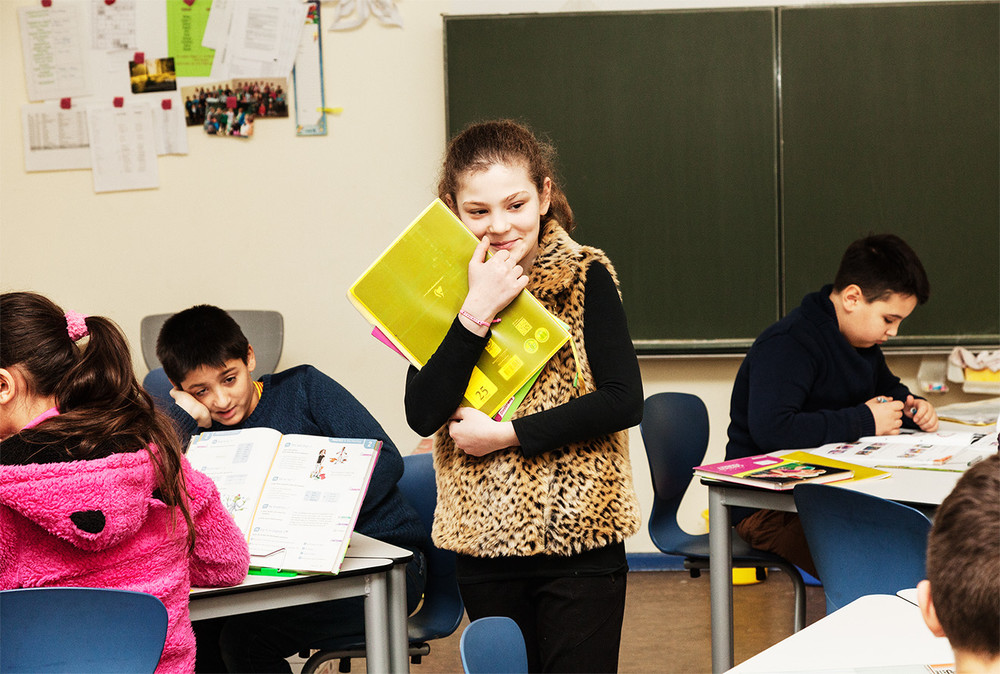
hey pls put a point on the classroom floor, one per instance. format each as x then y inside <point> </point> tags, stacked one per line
<point>667,624</point>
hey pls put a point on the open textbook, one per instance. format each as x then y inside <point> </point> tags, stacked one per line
<point>946,450</point>
<point>296,498</point>
<point>414,290</point>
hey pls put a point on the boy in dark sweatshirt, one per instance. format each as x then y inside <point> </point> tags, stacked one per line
<point>818,375</point>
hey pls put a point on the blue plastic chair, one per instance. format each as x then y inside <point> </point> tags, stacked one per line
<point>493,645</point>
<point>861,544</point>
<point>675,431</point>
<point>80,629</point>
<point>442,609</point>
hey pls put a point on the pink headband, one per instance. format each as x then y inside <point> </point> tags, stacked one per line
<point>76,325</point>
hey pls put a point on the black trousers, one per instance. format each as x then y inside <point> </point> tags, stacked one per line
<point>570,624</point>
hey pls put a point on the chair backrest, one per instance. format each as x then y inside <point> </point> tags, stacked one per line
<point>861,544</point>
<point>264,329</point>
<point>493,645</point>
<point>80,629</point>
<point>674,432</point>
<point>442,608</point>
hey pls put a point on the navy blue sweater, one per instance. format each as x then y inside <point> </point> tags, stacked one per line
<point>803,385</point>
<point>303,400</point>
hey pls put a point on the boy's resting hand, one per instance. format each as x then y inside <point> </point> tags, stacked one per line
<point>922,412</point>
<point>187,403</point>
<point>888,414</point>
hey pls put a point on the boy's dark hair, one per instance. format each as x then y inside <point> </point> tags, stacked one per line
<point>203,335</point>
<point>882,264</point>
<point>963,558</point>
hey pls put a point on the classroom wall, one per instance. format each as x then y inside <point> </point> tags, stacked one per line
<point>286,223</point>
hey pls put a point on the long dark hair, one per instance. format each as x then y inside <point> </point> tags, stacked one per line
<point>504,141</point>
<point>103,408</point>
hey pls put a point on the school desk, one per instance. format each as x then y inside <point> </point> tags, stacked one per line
<point>381,580</point>
<point>914,487</point>
<point>875,631</point>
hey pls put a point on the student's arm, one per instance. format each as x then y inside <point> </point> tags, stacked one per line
<point>781,379</point>
<point>220,556</point>
<point>434,392</point>
<point>918,413</point>
<point>616,402</point>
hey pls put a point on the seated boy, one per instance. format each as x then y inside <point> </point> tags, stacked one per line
<point>818,376</point>
<point>208,359</point>
<point>961,597</point>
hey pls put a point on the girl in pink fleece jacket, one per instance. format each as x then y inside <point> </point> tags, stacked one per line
<point>94,489</point>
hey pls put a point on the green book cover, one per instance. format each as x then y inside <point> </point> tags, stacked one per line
<point>415,289</point>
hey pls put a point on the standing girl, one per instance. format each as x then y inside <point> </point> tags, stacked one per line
<point>94,491</point>
<point>537,508</point>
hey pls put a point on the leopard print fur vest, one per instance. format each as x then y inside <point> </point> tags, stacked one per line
<point>565,501</point>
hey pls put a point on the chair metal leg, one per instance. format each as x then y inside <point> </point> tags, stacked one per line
<point>800,594</point>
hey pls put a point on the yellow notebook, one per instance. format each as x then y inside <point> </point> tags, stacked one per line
<point>860,472</point>
<point>415,289</point>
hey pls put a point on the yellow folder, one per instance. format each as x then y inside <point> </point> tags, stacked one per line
<point>415,289</point>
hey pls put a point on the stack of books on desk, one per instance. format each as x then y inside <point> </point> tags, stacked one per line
<point>772,472</point>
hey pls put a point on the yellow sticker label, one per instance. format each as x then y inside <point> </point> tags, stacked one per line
<point>511,367</point>
<point>492,348</point>
<point>480,390</point>
<point>522,325</point>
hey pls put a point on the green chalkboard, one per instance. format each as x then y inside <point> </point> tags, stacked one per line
<point>681,161</point>
<point>890,122</point>
<point>665,128</point>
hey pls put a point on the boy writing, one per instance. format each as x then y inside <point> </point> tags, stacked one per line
<point>961,597</point>
<point>818,375</point>
<point>208,359</point>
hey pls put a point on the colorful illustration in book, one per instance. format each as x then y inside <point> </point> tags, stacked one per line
<point>317,471</point>
<point>235,503</point>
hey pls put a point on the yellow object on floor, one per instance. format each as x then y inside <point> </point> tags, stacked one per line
<point>740,576</point>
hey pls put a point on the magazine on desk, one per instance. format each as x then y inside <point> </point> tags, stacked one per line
<point>296,498</point>
<point>772,472</point>
<point>913,450</point>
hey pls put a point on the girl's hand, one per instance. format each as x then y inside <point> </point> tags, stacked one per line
<point>477,434</point>
<point>888,414</point>
<point>187,402</point>
<point>922,412</point>
<point>493,284</point>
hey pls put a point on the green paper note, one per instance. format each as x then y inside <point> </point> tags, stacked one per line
<point>185,29</point>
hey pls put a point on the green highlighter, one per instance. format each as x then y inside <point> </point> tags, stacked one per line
<point>266,571</point>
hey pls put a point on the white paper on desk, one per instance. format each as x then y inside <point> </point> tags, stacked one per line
<point>122,147</point>
<point>54,139</point>
<point>55,62</point>
<point>906,449</point>
<point>113,26</point>
<point>169,126</point>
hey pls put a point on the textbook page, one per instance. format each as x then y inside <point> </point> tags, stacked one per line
<point>238,462</point>
<point>907,449</point>
<point>310,502</point>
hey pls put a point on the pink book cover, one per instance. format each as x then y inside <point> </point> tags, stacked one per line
<point>735,466</point>
<point>380,336</point>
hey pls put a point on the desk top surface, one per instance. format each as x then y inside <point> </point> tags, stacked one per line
<point>873,631</point>
<point>351,567</point>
